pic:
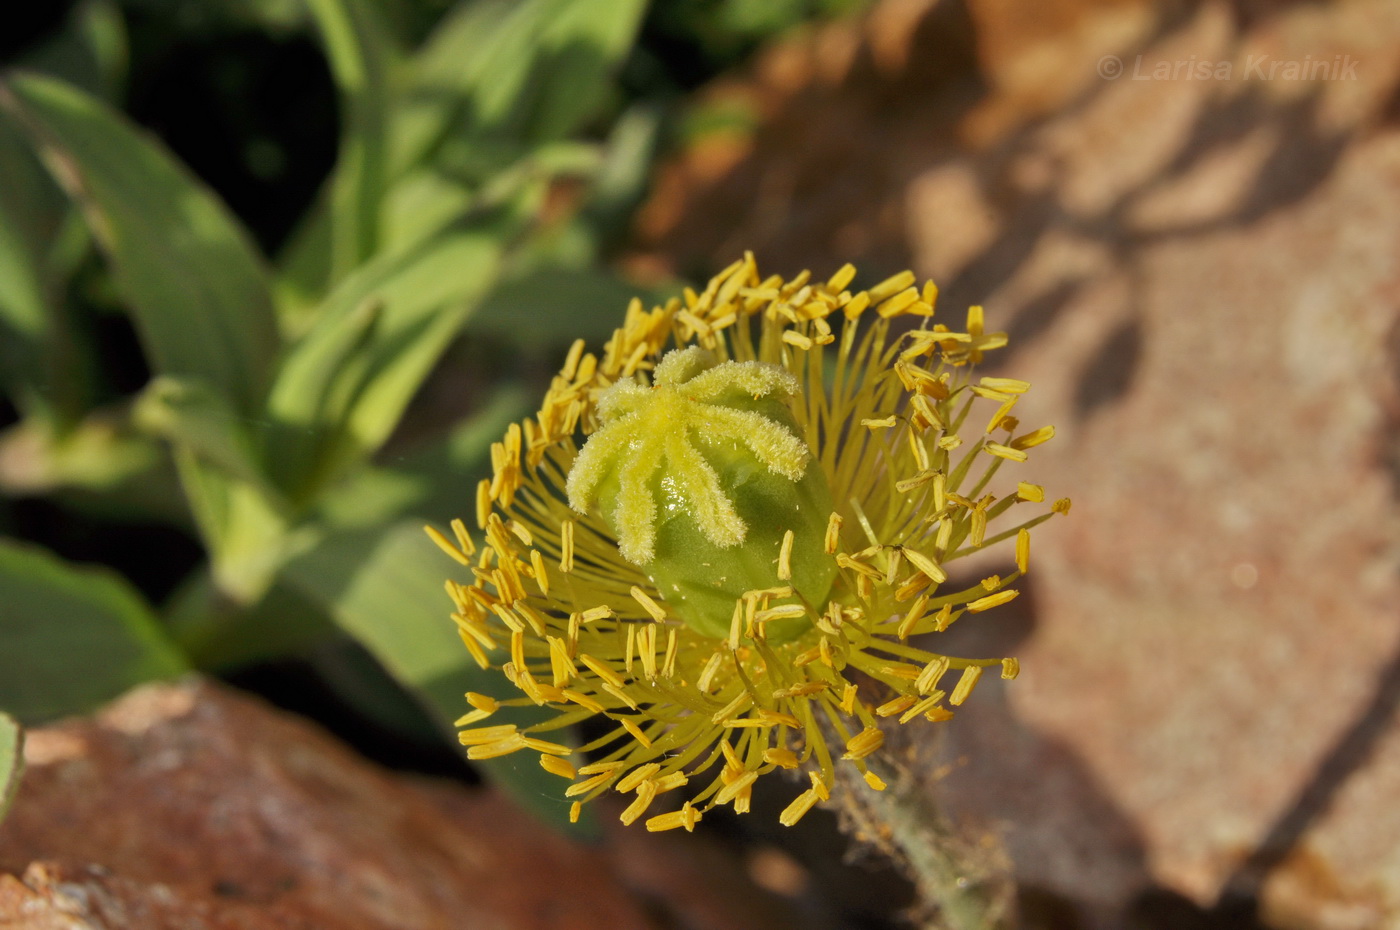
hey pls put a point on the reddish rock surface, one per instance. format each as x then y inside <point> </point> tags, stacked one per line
<point>1200,276</point>
<point>190,806</point>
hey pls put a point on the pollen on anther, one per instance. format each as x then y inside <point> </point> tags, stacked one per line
<point>447,546</point>
<point>992,600</point>
<point>707,675</point>
<point>1033,493</point>
<point>687,817</point>
<point>965,684</point>
<point>1006,452</point>
<point>541,575</point>
<point>784,758</point>
<point>566,545</point>
<point>798,808</point>
<point>635,777</point>
<point>636,732</point>
<point>649,605</point>
<point>843,276</point>
<point>1033,438</point>
<point>833,534</point>
<point>483,502</point>
<point>928,566</point>
<point>864,743</point>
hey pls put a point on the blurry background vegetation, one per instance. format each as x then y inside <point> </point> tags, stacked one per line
<point>273,276</point>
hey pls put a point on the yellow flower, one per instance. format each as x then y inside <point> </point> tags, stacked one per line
<point>705,533</point>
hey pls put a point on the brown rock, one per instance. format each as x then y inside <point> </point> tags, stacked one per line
<point>190,806</point>
<point>56,897</point>
<point>1199,274</point>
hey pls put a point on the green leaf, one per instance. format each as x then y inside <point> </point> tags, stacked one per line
<point>445,73</point>
<point>530,72</point>
<point>246,530</point>
<point>32,209</point>
<point>582,42</point>
<point>423,202</point>
<point>304,267</point>
<point>72,637</point>
<point>11,761</point>
<point>194,283</point>
<point>344,386</point>
<point>496,79</point>
<point>431,481</point>
<point>360,54</point>
<point>219,634</point>
<point>556,305</point>
<point>385,588</point>
<point>191,414</point>
<point>242,517</point>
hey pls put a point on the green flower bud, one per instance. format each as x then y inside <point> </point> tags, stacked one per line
<point>701,476</point>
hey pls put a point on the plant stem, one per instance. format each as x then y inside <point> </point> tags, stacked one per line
<point>968,883</point>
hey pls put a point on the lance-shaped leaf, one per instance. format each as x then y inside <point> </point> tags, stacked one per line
<point>188,272</point>
<point>346,383</point>
<point>360,56</point>
<point>523,73</point>
<point>72,637</point>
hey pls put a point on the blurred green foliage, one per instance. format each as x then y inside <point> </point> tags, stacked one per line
<point>11,760</point>
<point>269,384</point>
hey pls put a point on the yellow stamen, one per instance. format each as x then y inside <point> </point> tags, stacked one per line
<point>785,758</point>
<point>926,565</point>
<point>446,545</point>
<point>798,808</point>
<point>566,542</point>
<point>833,534</point>
<point>1033,438</point>
<point>637,776</point>
<point>556,765</point>
<point>864,743</point>
<point>992,600</point>
<point>686,817</point>
<point>965,684</point>
<point>688,412</point>
<point>650,606</point>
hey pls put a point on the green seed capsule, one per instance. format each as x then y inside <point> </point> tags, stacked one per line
<point>700,476</point>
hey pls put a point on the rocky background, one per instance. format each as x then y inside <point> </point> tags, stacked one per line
<point>191,807</point>
<point>1199,274</point>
